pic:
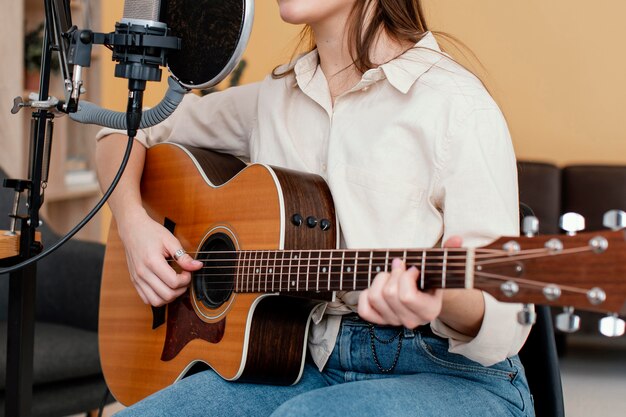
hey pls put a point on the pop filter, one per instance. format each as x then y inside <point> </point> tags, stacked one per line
<point>214,35</point>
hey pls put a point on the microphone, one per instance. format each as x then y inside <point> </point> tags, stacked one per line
<point>141,53</point>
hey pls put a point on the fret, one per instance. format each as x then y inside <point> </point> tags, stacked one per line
<point>271,270</point>
<point>264,268</point>
<point>317,279</point>
<point>356,258</point>
<point>343,255</point>
<point>244,265</point>
<point>255,269</point>
<point>237,270</point>
<point>443,270</point>
<point>280,276</point>
<point>423,270</point>
<point>249,270</point>
<point>299,258</point>
<point>308,266</point>
<point>330,266</point>
<point>290,283</point>
<point>369,270</point>
<point>469,268</point>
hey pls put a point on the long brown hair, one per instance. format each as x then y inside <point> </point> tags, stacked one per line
<point>401,20</point>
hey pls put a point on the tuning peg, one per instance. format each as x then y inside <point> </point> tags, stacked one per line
<point>572,223</point>
<point>509,288</point>
<point>612,326</point>
<point>567,321</point>
<point>614,219</point>
<point>526,316</point>
<point>530,226</point>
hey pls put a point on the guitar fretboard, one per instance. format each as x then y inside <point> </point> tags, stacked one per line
<point>338,270</point>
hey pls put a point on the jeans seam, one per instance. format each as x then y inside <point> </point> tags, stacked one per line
<point>468,368</point>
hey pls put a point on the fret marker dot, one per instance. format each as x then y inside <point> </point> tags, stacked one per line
<point>271,270</point>
<point>378,269</point>
<point>258,270</point>
<point>348,269</point>
<point>293,283</point>
<point>324,269</point>
<point>295,256</point>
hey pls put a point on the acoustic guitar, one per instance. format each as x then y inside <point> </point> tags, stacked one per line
<point>268,240</point>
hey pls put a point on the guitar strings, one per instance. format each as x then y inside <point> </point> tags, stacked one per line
<point>508,258</point>
<point>502,256</point>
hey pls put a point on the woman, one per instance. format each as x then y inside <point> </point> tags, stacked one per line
<point>415,152</point>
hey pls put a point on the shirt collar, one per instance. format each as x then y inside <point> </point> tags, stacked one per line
<point>402,72</point>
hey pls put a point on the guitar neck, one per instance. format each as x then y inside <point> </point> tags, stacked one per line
<point>337,270</point>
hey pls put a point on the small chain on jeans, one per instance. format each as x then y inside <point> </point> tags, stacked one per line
<point>374,338</point>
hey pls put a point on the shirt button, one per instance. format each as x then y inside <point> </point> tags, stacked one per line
<point>324,166</point>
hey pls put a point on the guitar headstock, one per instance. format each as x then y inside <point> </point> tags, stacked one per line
<point>585,271</point>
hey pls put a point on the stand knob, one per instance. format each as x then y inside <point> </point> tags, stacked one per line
<point>567,321</point>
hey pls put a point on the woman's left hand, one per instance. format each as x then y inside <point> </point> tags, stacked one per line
<point>393,298</point>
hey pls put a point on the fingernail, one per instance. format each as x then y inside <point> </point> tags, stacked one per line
<point>196,263</point>
<point>397,263</point>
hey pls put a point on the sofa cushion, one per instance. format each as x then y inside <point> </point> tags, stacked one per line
<point>540,189</point>
<point>61,353</point>
<point>592,190</point>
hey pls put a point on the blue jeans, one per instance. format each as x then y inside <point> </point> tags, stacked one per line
<point>426,380</point>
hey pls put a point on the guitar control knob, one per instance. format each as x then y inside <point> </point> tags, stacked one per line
<point>311,222</point>
<point>612,326</point>
<point>614,220</point>
<point>567,321</point>
<point>297,219</point>
<point>325,224</point>
<point>572,223</point>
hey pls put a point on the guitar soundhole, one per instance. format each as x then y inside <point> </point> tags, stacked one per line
<point>214,283</point>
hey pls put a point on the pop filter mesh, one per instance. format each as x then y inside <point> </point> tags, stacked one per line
<point>213,34</point>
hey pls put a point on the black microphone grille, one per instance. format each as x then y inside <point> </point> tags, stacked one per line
<point>142,9</point>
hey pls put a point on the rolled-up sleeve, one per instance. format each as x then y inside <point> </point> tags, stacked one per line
<point>221,121</point>
<point>478,197</point>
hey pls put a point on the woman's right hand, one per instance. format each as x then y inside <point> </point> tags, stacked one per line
<point>150,250</point>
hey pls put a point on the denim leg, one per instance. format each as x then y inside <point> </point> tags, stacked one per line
<point>207,394</point>
<point>419,395</point>
<point>426,380</point>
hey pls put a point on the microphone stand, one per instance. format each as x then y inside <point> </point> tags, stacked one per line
<point>22,285</point>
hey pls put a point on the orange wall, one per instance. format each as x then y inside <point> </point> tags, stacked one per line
<point>556,67</point>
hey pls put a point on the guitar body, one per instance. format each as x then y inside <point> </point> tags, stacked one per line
<point>212,202</point>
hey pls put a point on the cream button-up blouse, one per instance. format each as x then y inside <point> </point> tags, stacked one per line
<point>414,153</point>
